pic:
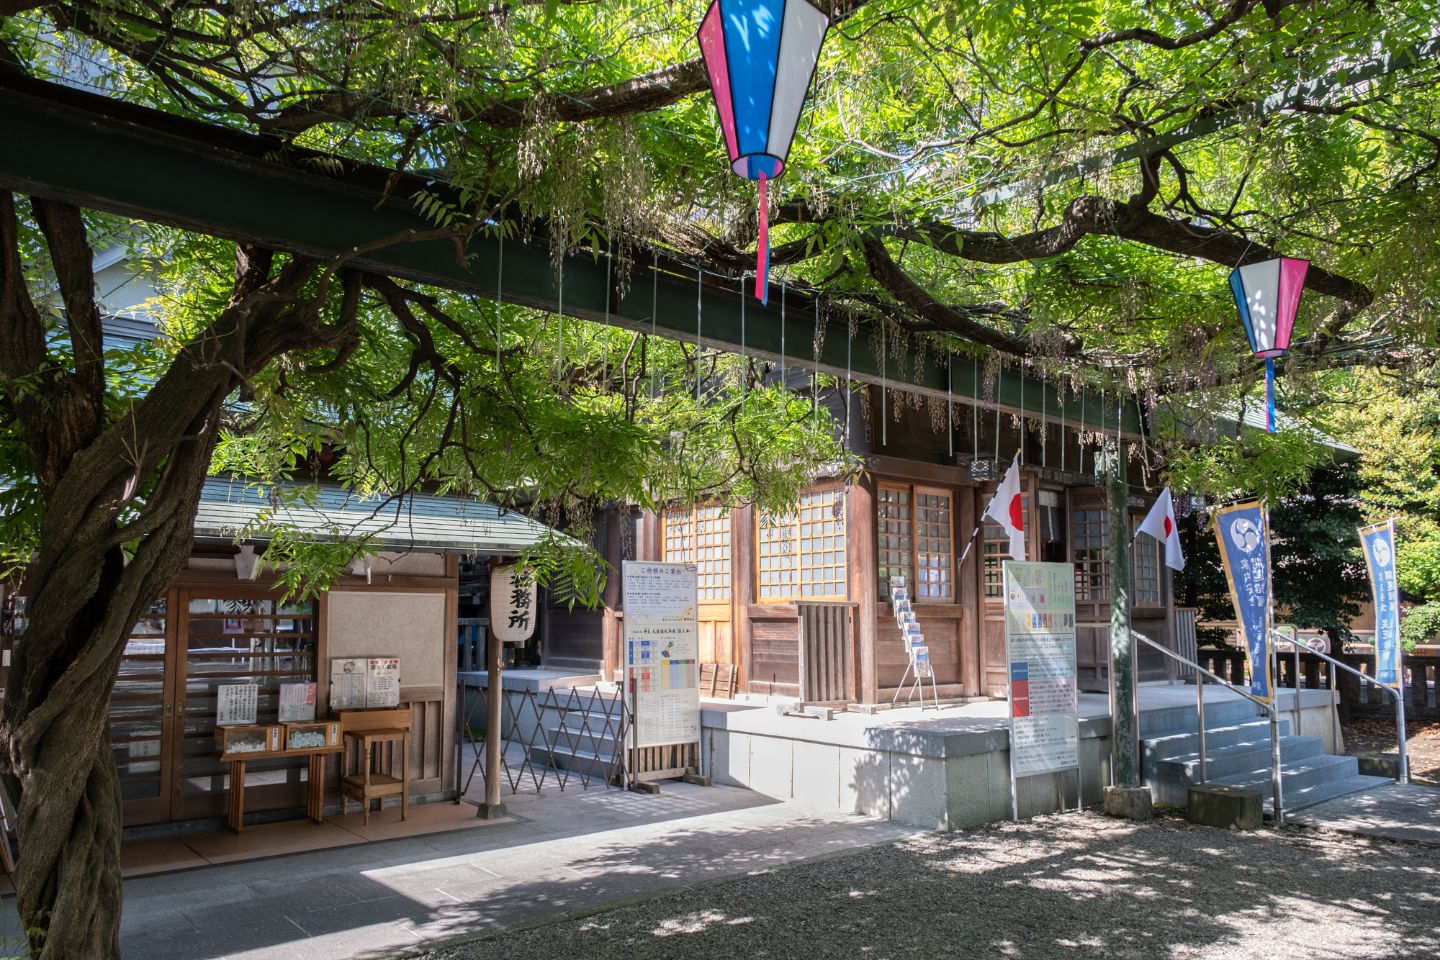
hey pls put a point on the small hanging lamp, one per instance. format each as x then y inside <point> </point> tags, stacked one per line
<point>1267,294</point>
<point>760,56</point>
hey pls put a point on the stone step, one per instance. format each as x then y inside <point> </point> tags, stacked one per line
<point>1181,718</point>
<point>1173,745</point>
<point>594,763</point>
<point>563,737</point>
<point>1170,779</point>
<point>1320,792</point>
<point>1298,775</point>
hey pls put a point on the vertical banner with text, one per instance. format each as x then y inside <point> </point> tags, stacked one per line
<point>1243,533</point>
<point>662,651</point>
<point>1378,539</point>
<point>1040,656</point>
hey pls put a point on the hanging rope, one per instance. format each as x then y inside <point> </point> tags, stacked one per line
<point>560,325</point>
<point>744,359</point>
<point>884,389</point>
<point>499,293</point>
<point>654,309</point>
<point>950,402</point>
<point>699,293</point>
<point>782,334</point>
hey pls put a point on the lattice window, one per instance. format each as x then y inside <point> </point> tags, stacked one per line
<point>916,540</point>
<point>996,547</point>
<point>802,556</point>
<point>1145,564</point>
<point>700,536</point>
<point>896,554</point>
<point>1089,551</point>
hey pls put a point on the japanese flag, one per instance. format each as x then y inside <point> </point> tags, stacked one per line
<point>1160,524</point>
<point>1005,509</point>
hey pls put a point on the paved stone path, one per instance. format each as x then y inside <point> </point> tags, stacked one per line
<point>1405,812</point>
<point>1065,887</point>
<point>563,852</point>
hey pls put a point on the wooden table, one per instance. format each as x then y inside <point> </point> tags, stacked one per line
<point>368,785</point>
<point>314,781</point>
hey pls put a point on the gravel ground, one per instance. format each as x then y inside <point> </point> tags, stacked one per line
<point>1374,735</point>
<point>1075,886</point>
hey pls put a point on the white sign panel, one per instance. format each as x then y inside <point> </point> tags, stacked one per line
<point>236,703</point>
<point>1040,655</point>
<point>512,605</point>
<point>662,651</point>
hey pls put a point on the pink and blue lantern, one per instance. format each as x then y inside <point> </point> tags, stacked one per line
<point>760,56</point>
<point>1267,295</point>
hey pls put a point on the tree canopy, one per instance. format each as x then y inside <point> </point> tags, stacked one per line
<point>1066,183</point>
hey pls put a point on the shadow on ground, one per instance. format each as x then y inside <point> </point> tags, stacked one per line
<point>1074,886</point>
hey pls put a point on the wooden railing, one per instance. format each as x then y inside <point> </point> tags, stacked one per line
<point>827,652</point>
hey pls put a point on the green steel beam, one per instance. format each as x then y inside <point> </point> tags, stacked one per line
<point>98,153</point>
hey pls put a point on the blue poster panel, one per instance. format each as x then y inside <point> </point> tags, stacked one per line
<point>1379,543</point>
<point>1243,533</point>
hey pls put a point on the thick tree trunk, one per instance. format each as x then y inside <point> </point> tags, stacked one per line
<point>119,501</point>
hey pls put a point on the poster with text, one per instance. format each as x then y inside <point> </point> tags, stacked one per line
<point>382,682</point>
<point>347,683</point>
<point>1040,654</point>
<point>236,703</point>
<point>297,702</point>
<point>662,651</point>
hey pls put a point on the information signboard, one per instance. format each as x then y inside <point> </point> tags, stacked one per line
<point>1040,660</point>
<point>662,652</point>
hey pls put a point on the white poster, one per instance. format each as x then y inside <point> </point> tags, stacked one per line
<point>512,605</point>
<point>1040,654</point>
<point>297,702</point>
<point>382,682</point>
<point>236,703</point>
<point>347,683</point>
<point>662,651</point>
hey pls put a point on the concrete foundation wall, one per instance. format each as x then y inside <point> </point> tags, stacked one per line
<point>944,782</point>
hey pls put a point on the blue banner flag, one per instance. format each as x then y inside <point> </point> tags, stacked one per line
<point>1243,532</point>
<point>1379,542</point>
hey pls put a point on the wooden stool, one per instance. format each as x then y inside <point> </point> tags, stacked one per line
<point>369,784</point>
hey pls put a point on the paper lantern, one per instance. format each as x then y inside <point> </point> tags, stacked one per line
<point>760,56</point>
<point>1267,294</point>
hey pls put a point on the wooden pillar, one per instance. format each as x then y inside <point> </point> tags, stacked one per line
<point>860,553</point>
<point>492,808</point>
<point>616,516</point>
<point>967,580</point>
<point>742,588</point>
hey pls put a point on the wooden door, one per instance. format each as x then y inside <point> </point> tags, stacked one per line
<point>1090,555</point>
<point>235,635</point>
<point>142,712</point>
<point>702,536</point>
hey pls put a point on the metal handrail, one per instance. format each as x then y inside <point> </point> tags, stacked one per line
<point>1399,696</point>
<point>1267,706</point>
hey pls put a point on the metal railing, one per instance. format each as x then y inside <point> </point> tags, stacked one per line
<point>1399,695</point>
<point>1269,707</point>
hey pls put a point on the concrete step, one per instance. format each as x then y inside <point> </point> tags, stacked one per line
<point>595,763</point>
<point>565,738</point>
<point>1181,719</point>
<point>1170,779</point>
<point>1297,775</point>
<point>1320,792</point>
<point>1172,745</point>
